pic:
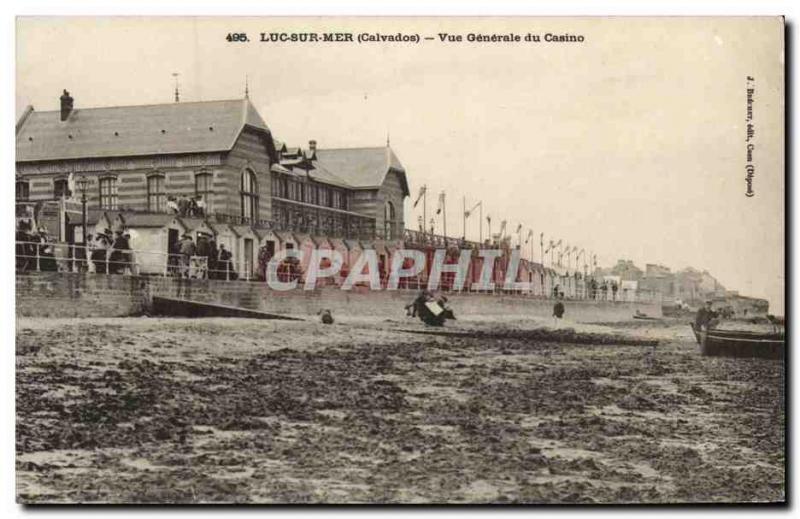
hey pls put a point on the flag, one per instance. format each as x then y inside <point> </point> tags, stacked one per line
<point>559,243</point>
<point>441,203</point>
<point>541,239</point>
<point>502,227</point>
<point>519,228</point>
<point>489,219</point>
<point>469,211</point>
<point>422,191</point>
<point>530,233</point>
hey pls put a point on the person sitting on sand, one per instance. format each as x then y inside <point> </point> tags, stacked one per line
<point>327,318</point>
<point>413,308</point>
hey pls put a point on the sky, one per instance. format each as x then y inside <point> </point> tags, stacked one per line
<point>630,144</point>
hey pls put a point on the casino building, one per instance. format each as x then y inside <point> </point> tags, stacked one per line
<point>132,159</point>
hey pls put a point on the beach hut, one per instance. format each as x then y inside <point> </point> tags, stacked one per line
<point>197,227</point>
<point>245,255</point>
<point>354,251</point>
<point>153,238</point>
<point>268,243</point>
<point>339,245</point>
<point>286,240</point>
<point>96,221</point>
<point>384,259</point>
<point>225,235</point>
<point>306,245</point>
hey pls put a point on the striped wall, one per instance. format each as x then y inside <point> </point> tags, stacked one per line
<point>179,176</point>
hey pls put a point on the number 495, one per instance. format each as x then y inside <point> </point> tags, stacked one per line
<point>236,36</point>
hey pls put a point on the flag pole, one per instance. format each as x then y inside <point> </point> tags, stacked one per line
<point>424,204</point>
<point>464,216</point>
<point>531,238</point>
<point>541,248</point>
<point>480,230</point>
<point>444,218</point>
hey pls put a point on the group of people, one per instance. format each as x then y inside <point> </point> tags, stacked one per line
<point>35,249</point>
<point>431,310</point>
<point>106,252</point>
<point>187,205</point>
<point>601,290</point>
<point>109,253</point>
<point>201,259</point>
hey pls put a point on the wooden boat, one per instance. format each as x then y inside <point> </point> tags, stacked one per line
<point>740,343</point>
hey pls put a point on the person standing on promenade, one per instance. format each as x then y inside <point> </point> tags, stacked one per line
<point>558,311</point>
<point>187,251</point>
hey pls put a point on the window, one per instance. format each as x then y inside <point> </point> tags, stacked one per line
<point>337,199</point>
<point>203,188</point>
<point>61,188</point>
<point>388,220</point>
<point>108,193</point>
<point>22,190</point>
<point>325,196</point>
<point>277,184</point>
<point>249,192</point>
<point>311,191</point>
<point>294,190</point>
<point>156,197</point>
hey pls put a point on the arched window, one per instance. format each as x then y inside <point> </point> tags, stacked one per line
<point>23,190</point>
<point>249,193</point>
<point>388,220</point>
<point>61,188</point>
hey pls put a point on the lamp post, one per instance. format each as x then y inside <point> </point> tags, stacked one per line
<point>83,185</point>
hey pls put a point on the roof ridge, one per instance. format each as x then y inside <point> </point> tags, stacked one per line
<point>354,148</point>
<point>182,103</point>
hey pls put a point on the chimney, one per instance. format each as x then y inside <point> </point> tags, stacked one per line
<point>312,146</point>
<point>66,105</point>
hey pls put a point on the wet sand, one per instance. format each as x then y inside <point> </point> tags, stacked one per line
<point>234,410</point>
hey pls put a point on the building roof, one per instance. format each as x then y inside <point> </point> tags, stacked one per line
<point>362,167</point>
<point>92,217</point>
<point>321,174</point>
<point>149,219</point>
<point>124,131</point>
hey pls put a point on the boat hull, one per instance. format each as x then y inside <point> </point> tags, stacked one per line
<point>731,343</point>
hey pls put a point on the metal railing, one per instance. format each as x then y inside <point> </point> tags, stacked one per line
<point>66,257</point>
<point>38,256</point>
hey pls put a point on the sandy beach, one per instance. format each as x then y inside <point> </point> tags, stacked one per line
<point>130,410</point>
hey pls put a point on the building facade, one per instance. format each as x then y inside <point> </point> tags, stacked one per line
<point>137,159</point>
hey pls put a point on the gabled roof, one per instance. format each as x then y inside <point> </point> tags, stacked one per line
<point>285,236</point>
<point>362,167</point>
<point>124,131</point>
<point>149,219</point>
<point>243,230</point>
<point>93,216</point>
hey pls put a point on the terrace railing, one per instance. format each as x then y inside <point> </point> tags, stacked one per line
<point>64,257</point>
